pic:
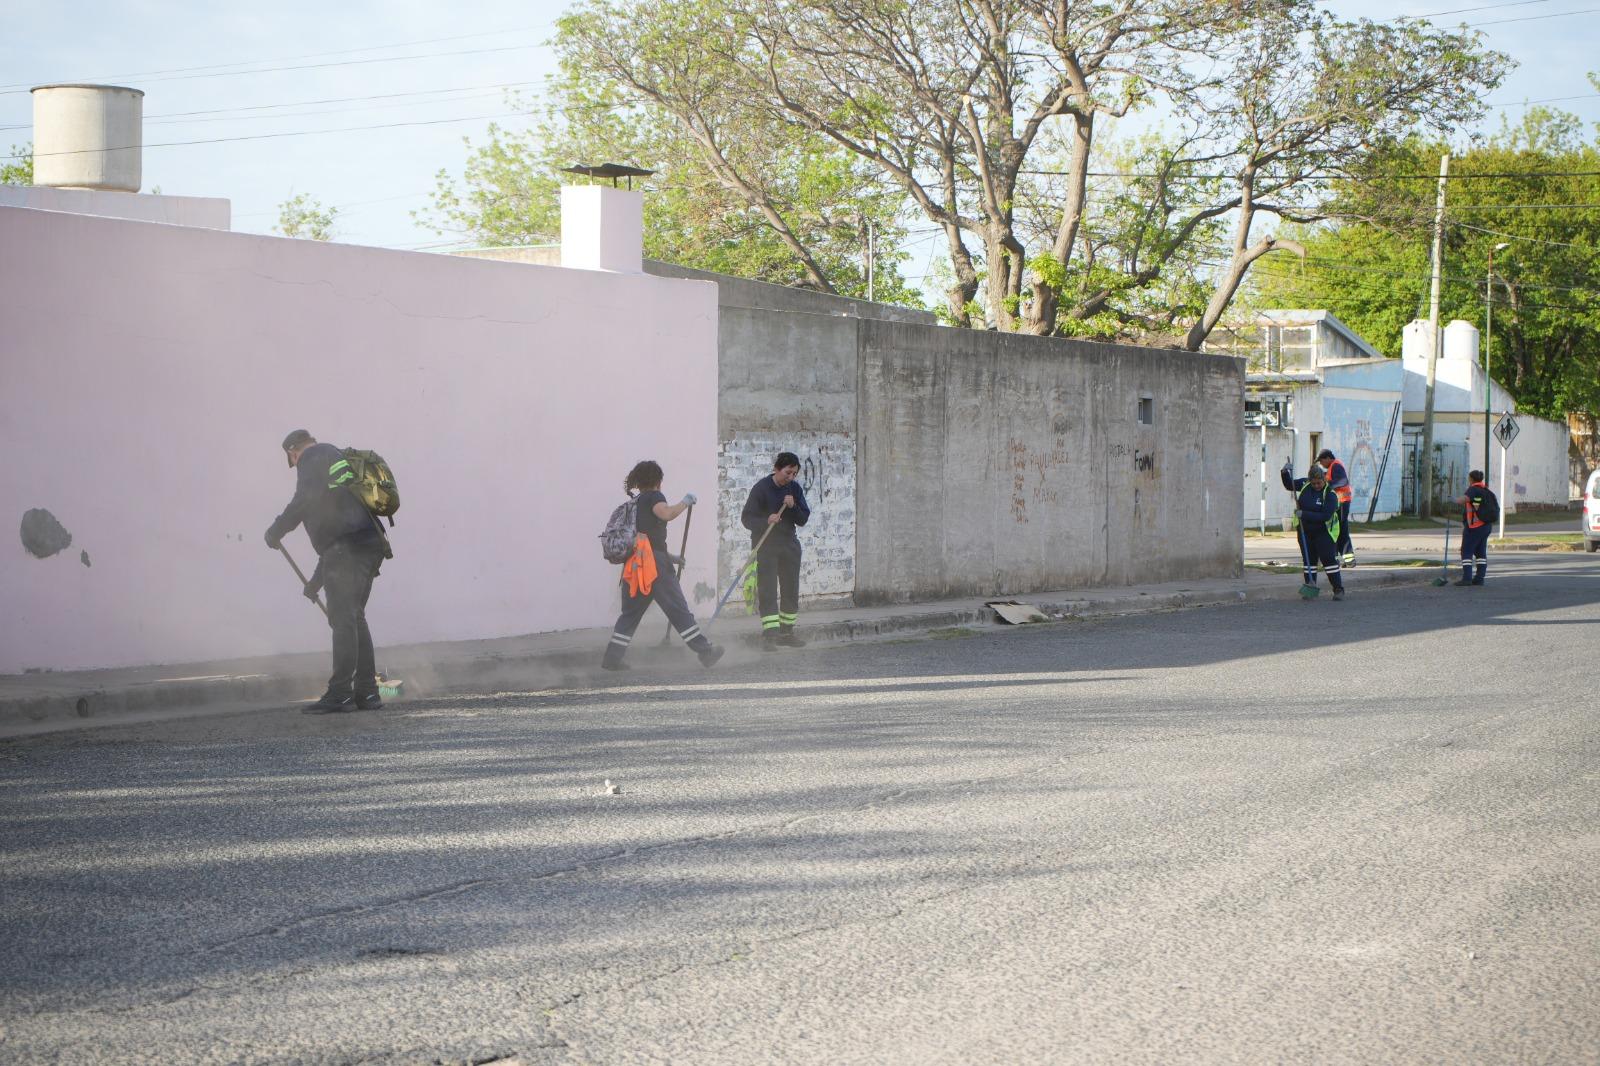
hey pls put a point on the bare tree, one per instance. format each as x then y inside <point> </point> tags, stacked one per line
<point>1307,99</point>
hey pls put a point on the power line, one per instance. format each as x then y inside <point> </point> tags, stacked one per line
<point>1485,7</point>
<point>1515,236</point>
<point>342,63</point>
<point>286,133</point>
<point>1534,18</point>
<point>289,59</point>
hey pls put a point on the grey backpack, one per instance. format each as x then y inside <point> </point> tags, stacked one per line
<point>621,535</point>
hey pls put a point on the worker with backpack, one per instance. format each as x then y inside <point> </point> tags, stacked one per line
<point>1316,516</point>
<point>339,496</point>
<point>1480,511</point>
<point>636,537</point>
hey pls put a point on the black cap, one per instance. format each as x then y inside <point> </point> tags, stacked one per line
<point>295,439</point>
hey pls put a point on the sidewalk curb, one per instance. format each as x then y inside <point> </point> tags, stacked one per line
<point>109,706</point>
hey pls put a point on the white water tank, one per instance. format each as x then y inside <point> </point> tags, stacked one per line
<point>1461,341</point>
<point>88,136</point>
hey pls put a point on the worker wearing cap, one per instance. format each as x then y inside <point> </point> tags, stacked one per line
<point>1476,503</point>
<point>1339,482</point>
<point>1317,514</point>
<point>350,548</point>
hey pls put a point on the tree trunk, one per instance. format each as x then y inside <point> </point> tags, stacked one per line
<point>1046,302</point>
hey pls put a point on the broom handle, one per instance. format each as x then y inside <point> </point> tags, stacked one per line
<point>743,569</point>
<point>301,575</point>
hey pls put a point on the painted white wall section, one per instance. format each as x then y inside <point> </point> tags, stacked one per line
<point>150,372</point>
<point>828,474</point>
<point>602,228</point>
<point>206,212</point>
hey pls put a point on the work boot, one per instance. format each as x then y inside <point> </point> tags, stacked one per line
<point>1462,582</point>
<point>1338,594</point>
<point>769,640</point>
<point>331,705</point>
<point>369,702</point>
<point>709,656</point>
<point>613,663</point>
<point>787,638</point>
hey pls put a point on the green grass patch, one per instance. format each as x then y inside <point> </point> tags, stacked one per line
<point>952,633</point>
<point>1543,542</point>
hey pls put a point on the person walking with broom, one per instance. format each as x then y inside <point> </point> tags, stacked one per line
<point>1317,522</point>
<point>350,548</point>
<point>648,576</point>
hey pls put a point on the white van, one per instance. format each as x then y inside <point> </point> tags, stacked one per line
<point>1591,513</point>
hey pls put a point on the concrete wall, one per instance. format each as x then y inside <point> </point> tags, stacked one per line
<point>998,464</point>
<point>787,381</point>
<point>1538,468</point>
<point>203,211</point>
<point>148,373</point>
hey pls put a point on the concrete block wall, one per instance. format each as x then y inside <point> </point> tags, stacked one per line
<point>992,464</point>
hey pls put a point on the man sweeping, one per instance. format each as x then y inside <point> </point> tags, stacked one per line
<point>1317,519</point>
<point>778,501</point>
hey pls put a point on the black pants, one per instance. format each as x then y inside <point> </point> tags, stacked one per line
<point>1317,547</point>
<point>778,583</point>
<point>1344,545</point>
<point>1475,549</point>
<point>666,592</point>
<point>348,569</point>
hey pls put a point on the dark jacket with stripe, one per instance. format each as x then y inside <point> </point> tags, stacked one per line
<point>330,511</point>
<point>1316,507</point>
<point>765,499</point>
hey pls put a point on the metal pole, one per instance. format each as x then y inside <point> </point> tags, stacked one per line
<point>871,252</point>
<point>1505,461</point>
<point>1488,351</point>
<point>1425,484</point>
<point>1263,469</point>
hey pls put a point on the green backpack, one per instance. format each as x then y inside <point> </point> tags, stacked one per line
<point>369,477</point>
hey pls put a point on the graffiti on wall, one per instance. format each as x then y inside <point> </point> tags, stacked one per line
<point>828,476</point>
<point>1355,431</point>
<point>1032,475</point>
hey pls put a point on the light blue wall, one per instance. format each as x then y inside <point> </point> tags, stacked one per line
<point>1356,431</point>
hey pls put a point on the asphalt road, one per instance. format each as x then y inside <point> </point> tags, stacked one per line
<point>1287,832</point>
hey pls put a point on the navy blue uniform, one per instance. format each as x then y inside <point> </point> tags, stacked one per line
<point>1475,536</point>
<point>350,548</point>
<point>1317,545</point>
<point>778,564</point>
<point>665,591</point>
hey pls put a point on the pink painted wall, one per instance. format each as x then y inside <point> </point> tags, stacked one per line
<point>148,374</point>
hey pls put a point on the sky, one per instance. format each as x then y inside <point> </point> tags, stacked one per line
<point>431,74</point>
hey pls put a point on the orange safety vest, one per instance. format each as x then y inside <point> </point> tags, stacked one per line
<point>1473,521</point>
<point>1344,491</point>
<point>639,572</point>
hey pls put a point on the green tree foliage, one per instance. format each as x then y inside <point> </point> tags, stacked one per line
<point>810,194</point>
<point>1522,187</point>
<point>303,216</point>
<point>18,170</point>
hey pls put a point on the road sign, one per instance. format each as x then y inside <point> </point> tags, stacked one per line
<point>1506,430</point>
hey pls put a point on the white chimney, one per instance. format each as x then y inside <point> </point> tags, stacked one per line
<point>602,228</point>
<point>88,137</point>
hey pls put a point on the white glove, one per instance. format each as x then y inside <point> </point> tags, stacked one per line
<point>690,499</point>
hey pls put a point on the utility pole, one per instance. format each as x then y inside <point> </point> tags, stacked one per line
<point>1425,481</point>
<point>871,250</point>
<point>1488,349</point>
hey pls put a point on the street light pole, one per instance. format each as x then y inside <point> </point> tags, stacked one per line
<point>1488,351</point>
